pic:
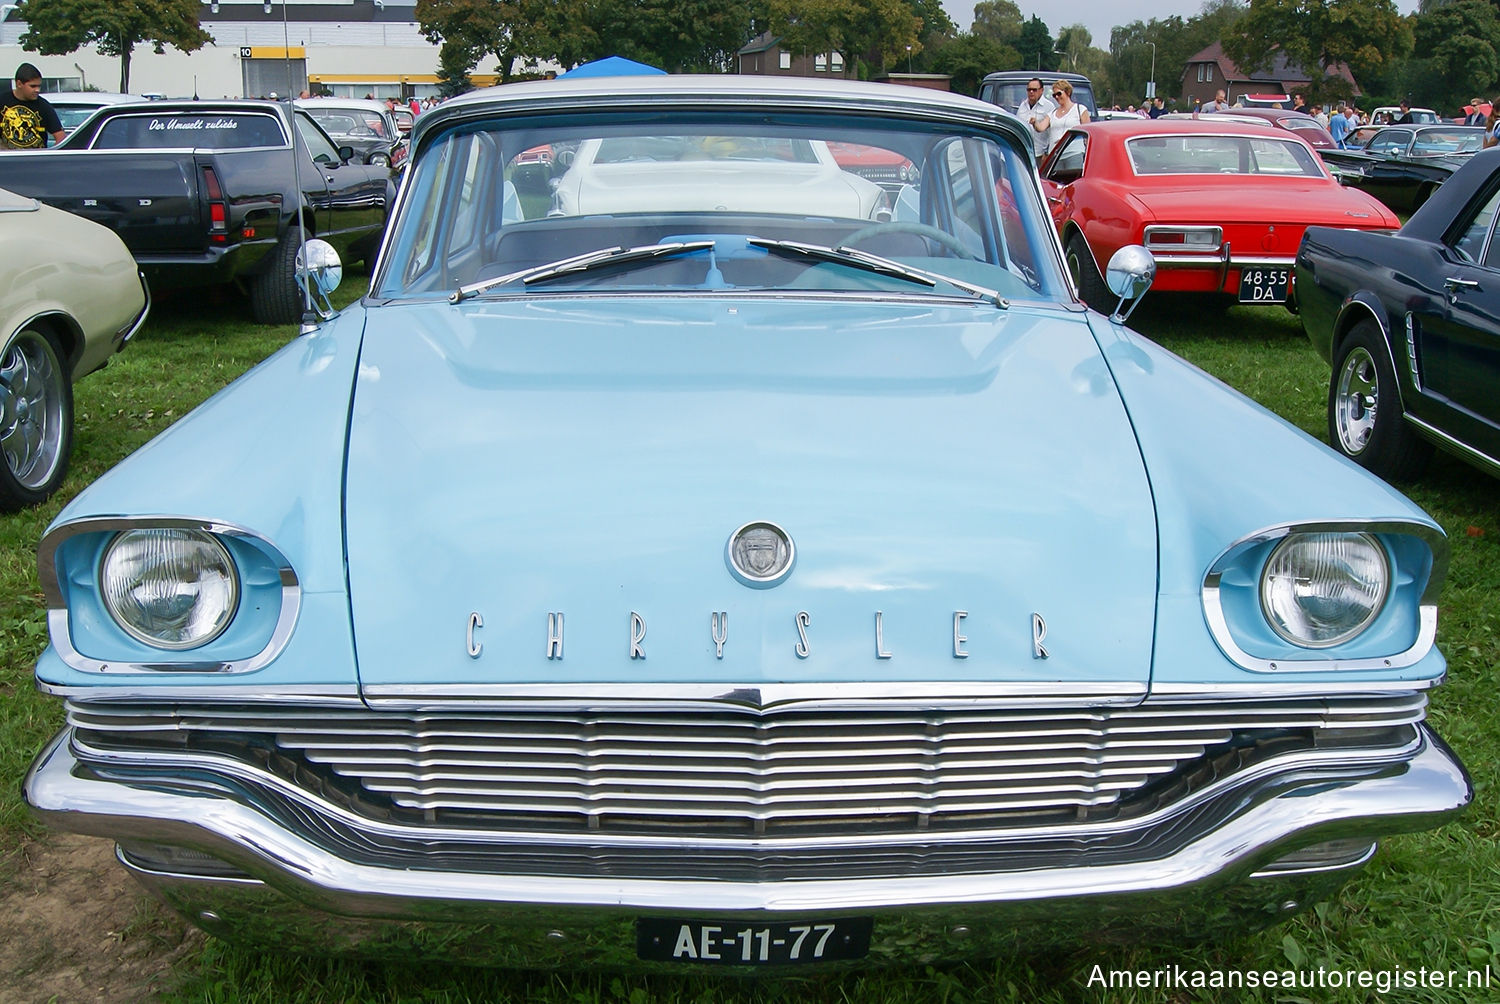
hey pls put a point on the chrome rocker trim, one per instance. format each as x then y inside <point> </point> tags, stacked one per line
<point>1247,859</point>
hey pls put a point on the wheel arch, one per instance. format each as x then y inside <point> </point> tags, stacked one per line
<point>1366,306</point>
<point>1070,229</point>
<point>69,334</point>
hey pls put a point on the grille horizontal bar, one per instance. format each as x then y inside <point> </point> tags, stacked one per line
<point>731,767</point>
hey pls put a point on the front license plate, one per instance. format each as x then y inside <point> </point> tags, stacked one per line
<point>742,943</point>
<point>1264,285</point>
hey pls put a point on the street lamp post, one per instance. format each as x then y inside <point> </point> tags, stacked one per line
<point>1151,87</point>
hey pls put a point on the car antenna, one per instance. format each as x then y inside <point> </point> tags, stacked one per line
<point>309,315</point>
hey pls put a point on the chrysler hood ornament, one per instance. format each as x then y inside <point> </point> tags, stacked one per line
<point>760,554</point>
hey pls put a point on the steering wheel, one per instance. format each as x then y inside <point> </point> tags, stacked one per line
<point>942,237</point>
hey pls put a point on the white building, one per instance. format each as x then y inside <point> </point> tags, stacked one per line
<point>348,47</point>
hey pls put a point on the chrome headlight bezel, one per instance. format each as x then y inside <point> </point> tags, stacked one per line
<point>1400,633</point>
<point>193,548</point>
<point>87,638</point>
<point>1275,575</point>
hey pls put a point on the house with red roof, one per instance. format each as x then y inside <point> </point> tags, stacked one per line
<point>1210,71</point>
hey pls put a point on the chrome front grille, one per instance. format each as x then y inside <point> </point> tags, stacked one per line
<point>726,770</point>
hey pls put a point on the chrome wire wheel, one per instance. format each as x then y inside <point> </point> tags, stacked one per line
<point>1356,398</point>
<point>33,399</point>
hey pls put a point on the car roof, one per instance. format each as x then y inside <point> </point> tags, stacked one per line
<point>1038,74</point>
<point>90,99</point>
<point>712,91</point>
<point>364,104</point>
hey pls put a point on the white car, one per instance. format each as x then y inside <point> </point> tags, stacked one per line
<point>1388,114</point>
<point>74,106</point>
<point>70,297</point>
<point>681,173</point>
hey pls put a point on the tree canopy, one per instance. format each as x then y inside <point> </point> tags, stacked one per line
<point>1365,35</point>
<point>57,27</point>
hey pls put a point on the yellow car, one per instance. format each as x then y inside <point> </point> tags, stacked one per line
<point>70,297</point>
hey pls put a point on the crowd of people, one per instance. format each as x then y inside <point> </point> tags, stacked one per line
<point>1051,118</point>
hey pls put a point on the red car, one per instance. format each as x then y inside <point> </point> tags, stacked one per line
<point>1221,207</point>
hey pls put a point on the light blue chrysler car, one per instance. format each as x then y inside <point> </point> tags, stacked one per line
<point>700,554</point>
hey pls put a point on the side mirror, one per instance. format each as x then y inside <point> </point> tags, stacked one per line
<point>346,154</point>
<point>1131,271</point>
<point>319,272</point>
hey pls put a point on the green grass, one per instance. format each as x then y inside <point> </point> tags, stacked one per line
<point>1430,899</point>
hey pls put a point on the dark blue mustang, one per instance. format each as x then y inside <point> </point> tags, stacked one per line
<point>1411,324</point>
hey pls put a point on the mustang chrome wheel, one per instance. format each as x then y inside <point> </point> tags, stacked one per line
<point>1356,397</point>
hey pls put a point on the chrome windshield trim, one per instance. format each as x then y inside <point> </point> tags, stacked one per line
<point>1218,624</point>
<point>59,626</point>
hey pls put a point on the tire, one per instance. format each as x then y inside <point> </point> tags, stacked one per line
<point>1365,420</point>
<point>1086,275</point>
<point>36,419</point>
<point>274,295</point>
<point>1422,195</point>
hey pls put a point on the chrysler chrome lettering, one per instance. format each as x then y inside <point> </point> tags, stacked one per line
<point>803,619</point>
<point>718,627</point>
<point>959,652</point>
<point>475,622</point>
<point>880,652</point>
<point>637,635</point>
<point>1038,634</point>
<point>555,635</point>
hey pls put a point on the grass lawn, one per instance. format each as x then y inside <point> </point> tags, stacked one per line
<point>1428,900</point>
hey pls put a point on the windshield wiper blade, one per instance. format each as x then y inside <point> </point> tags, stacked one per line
<point>581,263</point>
<point>855,258</point>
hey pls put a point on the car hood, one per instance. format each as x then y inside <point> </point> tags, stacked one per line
<point>1292,202</point>
<point>524,469</point>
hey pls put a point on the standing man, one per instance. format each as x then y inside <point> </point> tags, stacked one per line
<point>27,118</point>
<point>1157,108</point>
<point>1037,105</point>
<point>1218,104</point>
<point>1475,117</point>
<point>1404,118</point>
<point>1338,128</point>
<point>1298,105</point>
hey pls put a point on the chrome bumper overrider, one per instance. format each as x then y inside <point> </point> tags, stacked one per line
<point>1276,842</point>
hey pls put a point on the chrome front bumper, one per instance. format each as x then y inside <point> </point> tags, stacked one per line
<point>1291,839</point>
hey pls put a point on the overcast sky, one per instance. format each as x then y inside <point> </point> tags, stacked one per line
<point>1100,16</point>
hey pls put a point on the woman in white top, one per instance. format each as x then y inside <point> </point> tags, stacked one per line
<point>1065,116</point>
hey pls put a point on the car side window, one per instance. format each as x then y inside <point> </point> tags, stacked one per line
<point>1470,245</point>
<point>1390,141</point>
<point>1067,166</point>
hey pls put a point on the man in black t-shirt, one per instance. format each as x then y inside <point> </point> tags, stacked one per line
<point>27,118</point>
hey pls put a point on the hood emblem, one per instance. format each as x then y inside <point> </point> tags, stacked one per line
<point>760,554</point>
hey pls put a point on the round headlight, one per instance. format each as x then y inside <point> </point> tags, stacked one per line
<point>1320,589</point>
<point>169,588</point>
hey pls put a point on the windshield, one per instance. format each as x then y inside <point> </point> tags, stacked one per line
<point>727,194</point>
<point>1206,154</point>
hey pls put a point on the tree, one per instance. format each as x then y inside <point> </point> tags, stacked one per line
<point>998,20</point>
<point>1035,46</point>
<point>967,58</point>
<point>861,31</point>
<point>1460,43</point>
<point>1365,35</point>
<point>58,27</point>
<point>1171,41</point>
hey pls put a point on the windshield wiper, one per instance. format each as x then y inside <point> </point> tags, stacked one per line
<point>581,263</point>
<point>874,263</point>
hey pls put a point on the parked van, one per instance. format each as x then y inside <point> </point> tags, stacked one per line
<point>1008,88</point>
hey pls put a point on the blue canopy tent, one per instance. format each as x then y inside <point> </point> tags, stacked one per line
<point>612,66</point>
